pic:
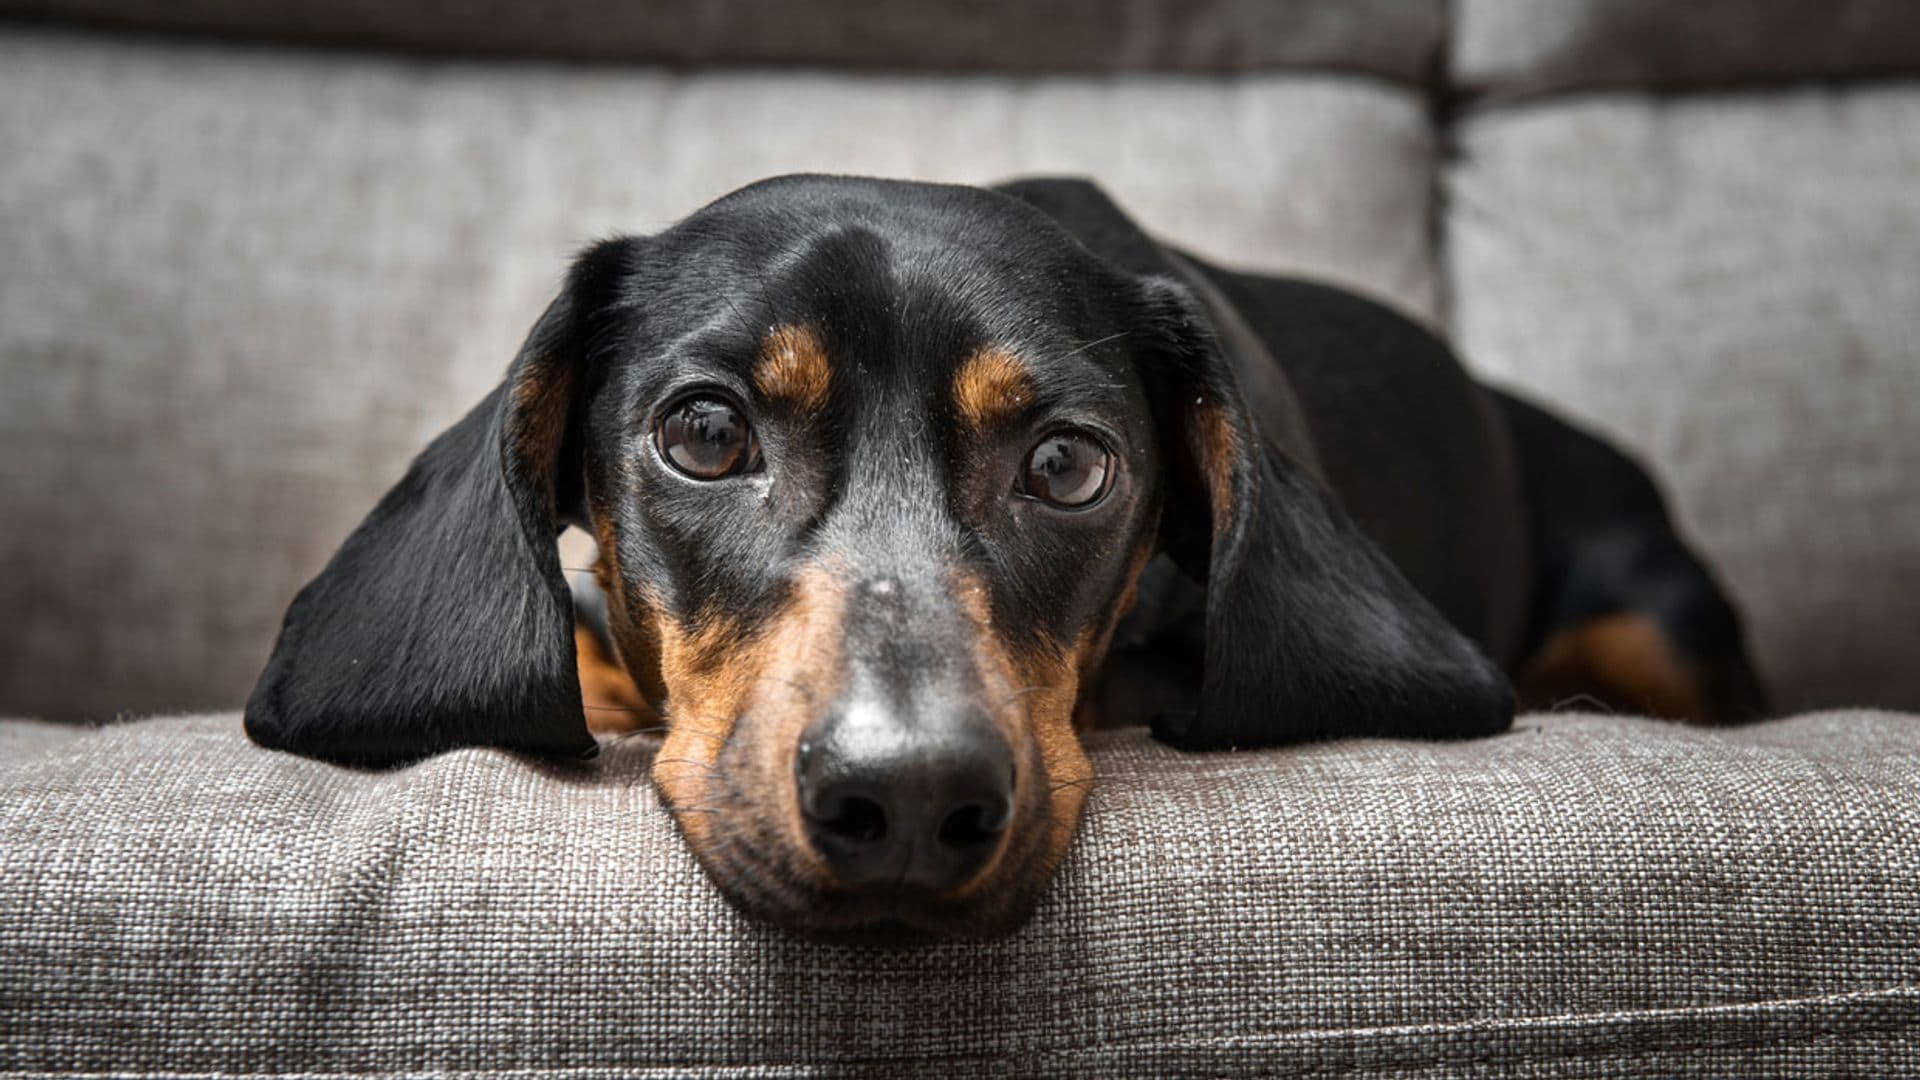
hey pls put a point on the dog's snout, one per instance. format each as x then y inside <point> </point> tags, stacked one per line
<point>900,804</point>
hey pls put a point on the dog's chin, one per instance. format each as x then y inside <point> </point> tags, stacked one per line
<point>901,921</point>
<point>800,903</point>
<point>750,860</point>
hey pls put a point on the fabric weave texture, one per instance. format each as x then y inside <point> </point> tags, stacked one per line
<point>1586,895</point>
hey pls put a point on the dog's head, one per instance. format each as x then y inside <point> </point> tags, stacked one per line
<point>873,469</point>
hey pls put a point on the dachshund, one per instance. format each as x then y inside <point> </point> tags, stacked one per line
<point>897,488</point>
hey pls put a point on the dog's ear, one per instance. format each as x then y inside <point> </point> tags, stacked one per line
<point>443,621</point>
<point>1311,632</point>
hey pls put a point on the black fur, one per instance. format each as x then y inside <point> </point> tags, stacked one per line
<point>1603,543</point>
<point>1370,573</point>
<point>444,621</point>
<point>1310,631</point>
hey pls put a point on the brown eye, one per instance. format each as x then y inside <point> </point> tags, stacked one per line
<point>1067,469</point>
<point>707,438</point>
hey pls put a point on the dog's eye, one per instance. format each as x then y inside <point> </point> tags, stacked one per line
<point>707,437</point>
<point>1067,468</point>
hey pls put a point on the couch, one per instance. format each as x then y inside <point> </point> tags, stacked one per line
<point>257,254</point>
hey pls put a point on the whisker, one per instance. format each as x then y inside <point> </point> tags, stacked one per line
<point>616,740</point>
<point>1023,692</point>
<point>658,730</point>
<point>1583,701</point>
<point>709,771</point>
<point>804,690</point>
<point>1099,341</point>
<point>745,323</point>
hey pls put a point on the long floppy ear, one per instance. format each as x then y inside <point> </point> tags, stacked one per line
<point>443,621</point>
<point>1311,632</point>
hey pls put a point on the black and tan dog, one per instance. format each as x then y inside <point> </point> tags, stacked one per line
<point>898,486</point>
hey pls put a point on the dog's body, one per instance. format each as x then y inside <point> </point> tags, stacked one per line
<point>1549,548</point>
<point>893,482</point>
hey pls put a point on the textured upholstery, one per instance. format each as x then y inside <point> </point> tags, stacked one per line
<point>1588,896</point>
<point>1392,38</point>
<point>1729,286</point>
<point>242,285</point>
<point>1505,49</point>
<point>244,288</point>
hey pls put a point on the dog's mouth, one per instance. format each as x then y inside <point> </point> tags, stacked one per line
<point>771,887</point>
<point>776,862</point>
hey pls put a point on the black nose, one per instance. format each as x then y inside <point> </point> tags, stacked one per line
<point>889,803</point>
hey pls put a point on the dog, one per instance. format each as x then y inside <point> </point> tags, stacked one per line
<point>898,487</point>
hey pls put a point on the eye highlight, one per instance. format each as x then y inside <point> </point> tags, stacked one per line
<point>707,437</point>
<point>1068,468</point>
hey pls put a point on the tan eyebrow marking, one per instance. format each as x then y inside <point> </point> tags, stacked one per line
<point>793,367</point>
<point>991,385</point>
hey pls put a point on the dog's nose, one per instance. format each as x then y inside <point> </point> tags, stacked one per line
<point>895,804</point>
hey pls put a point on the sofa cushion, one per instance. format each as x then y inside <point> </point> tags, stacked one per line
<point>242,288</point>
<point>1394,38</point>
<point>1728,285</point>
<point>1582,896</point>
<point>1504,49</point>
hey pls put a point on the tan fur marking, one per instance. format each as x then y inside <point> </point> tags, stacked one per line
<point>612,702</point>
<point>991,386</point>
<point>636,641</point>
<point>1626,660</point>
<point>719,672</point>
<point>793,367</point>
<point>1092,652</point>
<point>619,689</point>
<point>1211,440</point>
<point>1042,685</point>
<point>541,393</point>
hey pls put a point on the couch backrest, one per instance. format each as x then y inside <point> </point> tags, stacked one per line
<point>1395,39</point>
<point>244,285</point>
<point>1657,219</point>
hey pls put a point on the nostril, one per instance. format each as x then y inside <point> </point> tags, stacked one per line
<point>972,825</point>
<point>856,818</point>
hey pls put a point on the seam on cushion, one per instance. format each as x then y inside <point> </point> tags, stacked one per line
<point>1570,1023</point>
<point>1443,121</point>
<point>135,33</point>
<point>1475,107</point>
<point>1615,1054</point>
<point>1765,1010</point>
<point>1618,1054</point>
<point>828,1066</point>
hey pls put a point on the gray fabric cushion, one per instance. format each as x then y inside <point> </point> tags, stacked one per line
<point>242,288</point>
<point>1516,48</point>
<point>1584,896</point>
<point>1394,38</point>
<point>1729,285</point>
<point>23,738</point>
